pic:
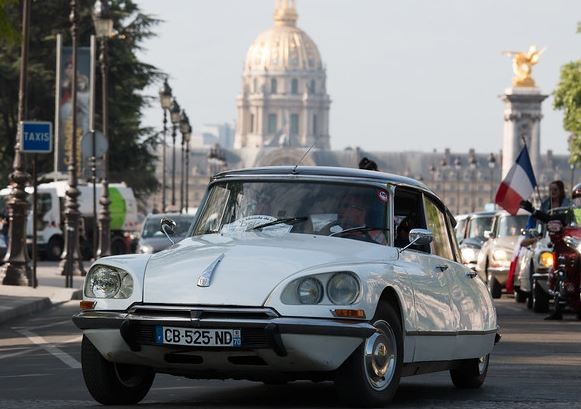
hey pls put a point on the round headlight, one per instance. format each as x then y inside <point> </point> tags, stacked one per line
<point>546,259</point>
<point>343,288</point>
<point>310,291</point>
<point>501,255</point>
<point>469,254</point>
<point>103,283</point>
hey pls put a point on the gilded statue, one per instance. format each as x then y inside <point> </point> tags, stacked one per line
<point>522,65</point>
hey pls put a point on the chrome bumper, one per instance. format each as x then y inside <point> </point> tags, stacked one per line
<point>261,327</point>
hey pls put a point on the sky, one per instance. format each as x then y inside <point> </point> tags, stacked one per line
<point>403,75</point>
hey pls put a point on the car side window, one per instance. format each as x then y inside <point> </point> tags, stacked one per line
<point>407,215</point>
<point>436,221</point>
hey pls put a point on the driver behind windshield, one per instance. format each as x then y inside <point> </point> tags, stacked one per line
<point>355,213</point>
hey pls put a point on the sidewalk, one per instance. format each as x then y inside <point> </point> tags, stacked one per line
<point>19,301</point>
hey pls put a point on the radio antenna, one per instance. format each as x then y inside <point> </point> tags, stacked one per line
<point>303,158</point>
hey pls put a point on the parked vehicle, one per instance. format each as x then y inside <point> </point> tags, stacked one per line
<point>293,273</point>
<point>494,258</point>
<point>50,217</point>
<point>471,237</point>
<point>152,239</point>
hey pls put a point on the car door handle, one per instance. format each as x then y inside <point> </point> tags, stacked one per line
<point>470,274</point>
<point>442,267</point>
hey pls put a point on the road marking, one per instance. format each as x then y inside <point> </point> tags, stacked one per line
<point>52,324</point>
<point>51,348</point>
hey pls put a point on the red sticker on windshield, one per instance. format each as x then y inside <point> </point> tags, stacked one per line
<point>383,196</point>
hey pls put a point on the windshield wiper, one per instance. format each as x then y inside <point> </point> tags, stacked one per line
<point>358,228</point>
<point>289,220</point>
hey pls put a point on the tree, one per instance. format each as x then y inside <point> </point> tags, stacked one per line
<point>131,146</point>
<point>568,99</point>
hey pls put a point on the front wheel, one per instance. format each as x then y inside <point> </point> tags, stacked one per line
<point>494,286</point>
<point>110,383</point>
<point>519,295</point>
<point>540,298</point>
<point>370,376</point>
<point>471,373</point>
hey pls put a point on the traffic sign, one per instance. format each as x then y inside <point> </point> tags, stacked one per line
<point>35,137</point>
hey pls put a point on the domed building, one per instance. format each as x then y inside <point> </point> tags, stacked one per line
<point>284,100</point>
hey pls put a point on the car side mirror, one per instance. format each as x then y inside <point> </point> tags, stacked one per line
<point>419,237</point>
<point>167,226</point>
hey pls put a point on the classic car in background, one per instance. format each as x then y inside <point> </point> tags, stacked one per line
<point>152,239</point>
<point>470,233</point>
<point>293,273</point>
<point>494,258</point>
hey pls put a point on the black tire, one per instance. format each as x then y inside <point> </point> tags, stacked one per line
<point>373,382</point>
<point>540,298</point>
<point>118,247</point>
<point>494,287</point>
<point>471,373</point>
<point>530,295</point>
<point>110,383</point>
<point>520,296</point>
<point>54,248</point>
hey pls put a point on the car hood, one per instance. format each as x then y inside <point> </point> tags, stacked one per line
<point>158,243</point>
<point>252,265</point>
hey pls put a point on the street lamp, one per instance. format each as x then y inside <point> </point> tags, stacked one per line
<point>165,101</point>
<point>457,166</point>
<point>184,128</point>
<point>174,116</point>
<point>187,137</point>
<point>491,166</point>
<point>104,30</point>
<point>473,164</point>
<point>17,269</point>
<point>71,260</point>
<point>444,166</point>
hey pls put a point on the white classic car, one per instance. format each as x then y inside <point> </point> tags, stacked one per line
<point>293,273</point>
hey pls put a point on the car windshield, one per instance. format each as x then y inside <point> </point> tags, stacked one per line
<point>151,227</point>
<point>478,225</point>
<point>511,225</point>
<point>295,207</point>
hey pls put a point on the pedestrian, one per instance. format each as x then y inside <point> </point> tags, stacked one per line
<point>367,164</point>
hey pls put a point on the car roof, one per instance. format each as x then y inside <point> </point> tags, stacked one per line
<point>324,171</point>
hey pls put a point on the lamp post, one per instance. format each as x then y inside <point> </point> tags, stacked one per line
<point>165,101</point>
<point>71,260</point>
<point>174,116</point>
<point>491,166</point>
<point>572,166</point>
<point>104,30</point>
<point>187,137</point>
<point>457,166</point>
<point>184,128</point>
<point>444,166</point>
<point>473,164</point>
<point>17,269</point>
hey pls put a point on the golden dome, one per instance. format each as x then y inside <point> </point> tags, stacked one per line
<point>284,46</point>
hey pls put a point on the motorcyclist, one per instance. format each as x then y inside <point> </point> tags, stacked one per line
<point>573,217</point>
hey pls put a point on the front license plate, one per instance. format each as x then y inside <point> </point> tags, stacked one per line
<point>198,337</point>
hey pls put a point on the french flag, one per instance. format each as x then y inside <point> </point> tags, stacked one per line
<point>518,184</point>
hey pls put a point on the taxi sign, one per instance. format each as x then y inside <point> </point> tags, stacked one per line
<point>35,137</point>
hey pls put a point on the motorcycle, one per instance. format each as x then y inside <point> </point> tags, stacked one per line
<point>563,281</point>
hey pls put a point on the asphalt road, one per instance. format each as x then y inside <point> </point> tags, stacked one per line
<point>536,365</point>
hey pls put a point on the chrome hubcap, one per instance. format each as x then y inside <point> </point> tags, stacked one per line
<point>482,364</point>
<point>379,356</point>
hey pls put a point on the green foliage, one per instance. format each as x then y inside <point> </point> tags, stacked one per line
<point>130,145</point>
<point>568,99</point>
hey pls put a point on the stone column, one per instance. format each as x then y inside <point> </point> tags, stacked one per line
<point>522,118</point>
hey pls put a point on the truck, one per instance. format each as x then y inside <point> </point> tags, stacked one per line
<point>51,218</point>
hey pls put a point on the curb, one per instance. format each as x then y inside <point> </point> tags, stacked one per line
<point>24,308</point>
